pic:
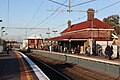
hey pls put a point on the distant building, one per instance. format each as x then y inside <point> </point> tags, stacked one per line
<point>85,33</point>
<point>12,44</point>
<point>35,42</point>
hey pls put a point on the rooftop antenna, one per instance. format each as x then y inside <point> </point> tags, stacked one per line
<point>70,6</point>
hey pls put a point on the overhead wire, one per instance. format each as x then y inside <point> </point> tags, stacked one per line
<point>51,14</point>
<point>35,13</point>
<point>62,4</point>
<point>86,16</point>
<point>83,3</point>
<point>74,6</point>
<point>75,19</point>
<point>108,6</point>
<point>52,18</point>
<point>72,21</point>
<point>59,3</point>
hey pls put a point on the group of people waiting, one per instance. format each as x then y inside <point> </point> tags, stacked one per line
<point>76,50</point>
<point>55,48</point>
<point>96,50</point>
<point>60,48</point>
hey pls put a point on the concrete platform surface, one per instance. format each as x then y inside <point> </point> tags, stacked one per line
<point>17,66</point>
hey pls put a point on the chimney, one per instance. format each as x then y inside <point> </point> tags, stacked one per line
<point>90,14</point>
<point>69,23</point>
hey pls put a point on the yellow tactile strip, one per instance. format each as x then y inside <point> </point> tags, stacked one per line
<point>25,73</point>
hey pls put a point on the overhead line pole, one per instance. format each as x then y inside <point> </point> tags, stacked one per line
<point>69,5</point>
<point>8,13</point>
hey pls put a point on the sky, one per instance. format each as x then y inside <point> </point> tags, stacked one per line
<point>34,14</point>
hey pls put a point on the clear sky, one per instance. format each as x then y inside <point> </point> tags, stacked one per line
<point>34,14</point>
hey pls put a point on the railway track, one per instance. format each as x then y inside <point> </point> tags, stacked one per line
<point>49,71</point>
<point>73,72</point>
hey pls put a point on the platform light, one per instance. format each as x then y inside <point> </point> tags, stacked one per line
<point>2,28</point>
<point>0,20</point>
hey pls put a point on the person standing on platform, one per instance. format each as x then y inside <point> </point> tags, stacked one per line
<point>88,49</point>
<point>110,53</point>
<point>61,48</point>
<point>107,49</point>
<point>50,48</point>
<point>7,50</point>
<point>78,50</point>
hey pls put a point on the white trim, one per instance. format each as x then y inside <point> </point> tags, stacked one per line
<point>87,29</point>
<point>73,40</point>
<point>100,29</point>
<point>78,39</point>
<point>35,68</point>
<point>65,39</point>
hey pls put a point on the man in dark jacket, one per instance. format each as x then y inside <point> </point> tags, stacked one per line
<point>107,51</point>
<point>78,50</point>
<point>110,52</point>
<point>7,50</point>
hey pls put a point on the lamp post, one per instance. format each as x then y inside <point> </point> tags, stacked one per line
<point>2,28</point>
<point>48,34</point>
<point>54,32</point>
<point>2,31</point>
<point>1,39</point>
<point>2,34</point>
<point>6,34</point>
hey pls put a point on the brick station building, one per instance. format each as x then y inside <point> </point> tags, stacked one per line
<point>88,32</point>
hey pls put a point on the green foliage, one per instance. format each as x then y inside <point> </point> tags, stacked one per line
<point>113,21</point>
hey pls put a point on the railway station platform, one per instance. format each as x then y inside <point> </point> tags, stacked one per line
<point>100,64</point>
<point>17,66</point>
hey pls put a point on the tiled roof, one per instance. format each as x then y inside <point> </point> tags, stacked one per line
<point>73,36</point>
<point>88,24</point>
<point>78,36</point>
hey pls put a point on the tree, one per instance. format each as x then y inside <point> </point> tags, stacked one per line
<point>113,21</point>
